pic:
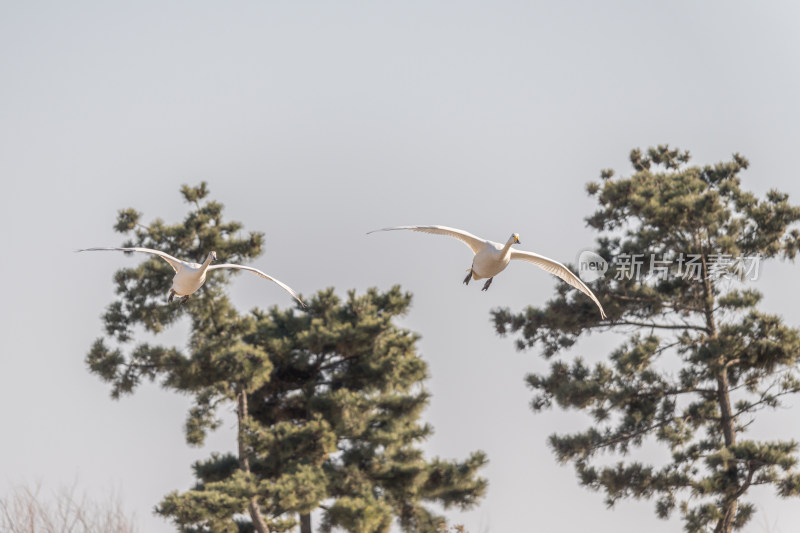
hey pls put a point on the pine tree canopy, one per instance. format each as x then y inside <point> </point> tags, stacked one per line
<point>701,359</point>
<point>328,399</point>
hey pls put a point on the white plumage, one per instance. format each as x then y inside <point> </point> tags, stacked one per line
<point>491,258</point>
<point>189,277</point>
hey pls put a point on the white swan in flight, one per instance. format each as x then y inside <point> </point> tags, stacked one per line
<point>190,276</point>
<point>491,258</point>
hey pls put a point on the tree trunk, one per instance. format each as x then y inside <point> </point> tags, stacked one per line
<point>725,410</point>
<point>725,524</point>
<point>255,515</point>
<point>305,523</point>
<point>244,462</point>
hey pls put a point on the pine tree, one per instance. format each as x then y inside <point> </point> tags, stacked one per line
<point>327,399</point>
<point>349,366</point>
<point>701,359</point>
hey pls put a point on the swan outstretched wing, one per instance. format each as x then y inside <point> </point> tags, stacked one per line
<point>557,269</point>
<point>475,243</point>
<point>263,275</point>
<point>175,263</point>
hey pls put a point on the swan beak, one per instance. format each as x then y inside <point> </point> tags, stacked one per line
<point>516,240</point>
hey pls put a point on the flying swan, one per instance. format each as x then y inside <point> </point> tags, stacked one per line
<point>190,276</point>
<point>491,258</point>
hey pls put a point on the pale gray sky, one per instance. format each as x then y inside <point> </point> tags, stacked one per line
<point>316,122</point>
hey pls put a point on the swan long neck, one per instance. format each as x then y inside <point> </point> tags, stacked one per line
<point>507,248</point>
<point>207,263</point>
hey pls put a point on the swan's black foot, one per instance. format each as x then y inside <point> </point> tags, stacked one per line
<point>171,295</point>
<point>486,285</point>
<point>183,300</point>
<point>469,277</point>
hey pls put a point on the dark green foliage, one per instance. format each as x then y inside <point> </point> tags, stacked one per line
<point>347,366</point>
<point>700,361</point>
<point>328,399</point>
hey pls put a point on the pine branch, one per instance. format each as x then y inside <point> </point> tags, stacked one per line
<point>653,325</point>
